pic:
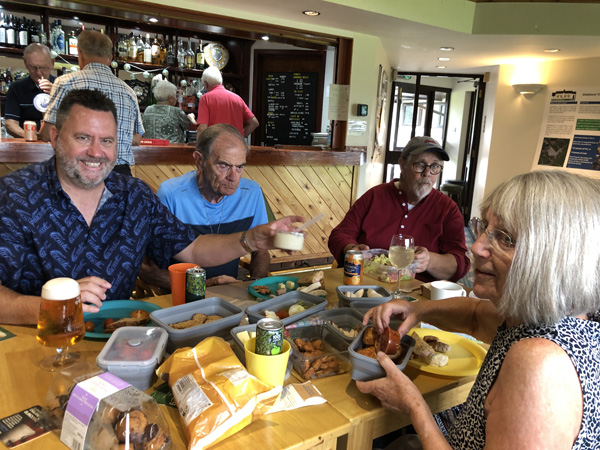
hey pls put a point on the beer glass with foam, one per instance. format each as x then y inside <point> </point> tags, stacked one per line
<point>60,323</point>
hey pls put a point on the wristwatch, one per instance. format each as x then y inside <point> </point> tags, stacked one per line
<point>244,243</point>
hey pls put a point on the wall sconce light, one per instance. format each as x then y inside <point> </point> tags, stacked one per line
<point>528,89</point>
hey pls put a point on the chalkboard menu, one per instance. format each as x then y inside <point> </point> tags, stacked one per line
<point>291,107</point>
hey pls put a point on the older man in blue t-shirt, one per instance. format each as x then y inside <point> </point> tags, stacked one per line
<point>215,199</point>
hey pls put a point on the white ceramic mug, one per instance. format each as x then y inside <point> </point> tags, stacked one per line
<point>446,289</point>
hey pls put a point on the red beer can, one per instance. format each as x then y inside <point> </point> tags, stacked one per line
<point>30,128</point>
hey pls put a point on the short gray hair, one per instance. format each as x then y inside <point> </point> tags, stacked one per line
<point>555,218</point>
<point>212,76</point>
<point>204,142</point>
<point>93,43</point>
<point>163,90</point>
<point>37,48</point>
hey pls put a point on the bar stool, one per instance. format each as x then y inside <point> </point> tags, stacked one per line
<point>455,190</point>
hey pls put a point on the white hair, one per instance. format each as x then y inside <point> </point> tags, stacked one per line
<point>555,219</point>
<point>212,76</point>
<point>163,90</point>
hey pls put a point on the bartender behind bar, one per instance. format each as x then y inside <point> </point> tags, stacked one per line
<point>28,99</point>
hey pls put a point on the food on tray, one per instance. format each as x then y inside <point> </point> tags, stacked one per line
<point>371,352</point>
<point>351,333</point>
<point>263,290</point>
<point>360,293</point>
<point>284,313</point>
<point>370,337</point>
<point>427,347</point>
<point>136,318</point>
<point>243,336</point>
<point>317,363</point>
<point>89,326</point>
<point>437,360</point>
<point>311,278</point>
<point>197,319</point>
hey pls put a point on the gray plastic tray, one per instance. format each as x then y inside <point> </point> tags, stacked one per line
<point>362,306</point>
<point>255,312</point>
<point>346,318</point>
<point>189,337</point>
<point>365,368</point>
<point>345,301</point>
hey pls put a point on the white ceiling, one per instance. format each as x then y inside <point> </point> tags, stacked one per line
<point>413,46</point>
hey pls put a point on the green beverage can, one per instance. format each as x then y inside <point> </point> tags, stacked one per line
<point>269,337</point>
<point>195,284</point>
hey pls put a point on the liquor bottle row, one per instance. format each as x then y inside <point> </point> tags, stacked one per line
<point>158,52</point>
<point>7,77</point>
<point>19,33</point>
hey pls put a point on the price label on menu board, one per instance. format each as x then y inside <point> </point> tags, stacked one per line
<point>291,107</point>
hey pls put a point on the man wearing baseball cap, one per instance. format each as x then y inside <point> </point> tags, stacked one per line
<point>409,205</point>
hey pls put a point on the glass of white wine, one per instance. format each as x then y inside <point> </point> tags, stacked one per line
<point>401,254</point>
<point>60,323</point>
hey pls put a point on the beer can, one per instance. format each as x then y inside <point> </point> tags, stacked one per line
<point>269,337</point>
<point>195,284</point>
<point>30,130</point>
<point>353,267</point>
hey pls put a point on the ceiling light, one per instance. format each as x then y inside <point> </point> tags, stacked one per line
<point>446,49</point>
<point>440,67</point>
<point>443,59</point>
<point>153,19</point>
<point>552,50</point>
<point>265,38</point>
<point>311,12</point>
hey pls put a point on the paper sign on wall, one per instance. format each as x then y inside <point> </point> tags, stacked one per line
<point>570,135</point>
<point>339,101</point>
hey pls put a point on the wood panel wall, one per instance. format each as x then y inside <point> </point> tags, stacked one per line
<point>290,190</point>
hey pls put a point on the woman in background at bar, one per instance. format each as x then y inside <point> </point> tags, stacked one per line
<point>164,120</point>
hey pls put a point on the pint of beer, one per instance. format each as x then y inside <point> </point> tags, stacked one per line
<point>60,323</point>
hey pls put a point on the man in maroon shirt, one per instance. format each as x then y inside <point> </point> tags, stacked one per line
<point>412,206</point>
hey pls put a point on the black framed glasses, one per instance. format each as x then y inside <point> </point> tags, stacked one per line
<point>497,238</point>
<point>434,169</point>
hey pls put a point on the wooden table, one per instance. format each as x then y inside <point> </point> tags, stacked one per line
<point>349,419</point>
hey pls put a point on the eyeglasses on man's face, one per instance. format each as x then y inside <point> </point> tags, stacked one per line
<point>497,238</point>
<point>434,169</point>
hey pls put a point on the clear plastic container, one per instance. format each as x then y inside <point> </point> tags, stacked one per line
<point>132,354</point>
<point>381,272</point>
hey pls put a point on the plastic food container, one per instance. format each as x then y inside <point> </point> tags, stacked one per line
<point>362,306</point>
<point>132,354</point>
<point>289,240</point>
<point>189,337</point>
<point>365,368</point>
<point>345,301</point>
<point>344,318</point>
<point>238,347</point>
<point>312,303</point>
<point>333,360</point>
<point>381,272</point>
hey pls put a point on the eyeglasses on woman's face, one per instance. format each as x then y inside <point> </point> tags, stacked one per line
<point>498,239</point>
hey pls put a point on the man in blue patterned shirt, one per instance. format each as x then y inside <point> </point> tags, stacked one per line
<point>94,56</point>
<point>73,216</point>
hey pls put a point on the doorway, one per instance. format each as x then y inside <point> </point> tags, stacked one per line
<point>448,108</point>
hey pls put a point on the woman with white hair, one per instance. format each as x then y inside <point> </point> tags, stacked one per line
<point>537,260</point>
<point>164,120</point>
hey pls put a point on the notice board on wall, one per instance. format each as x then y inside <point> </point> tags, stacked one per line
<point>291,107</point>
